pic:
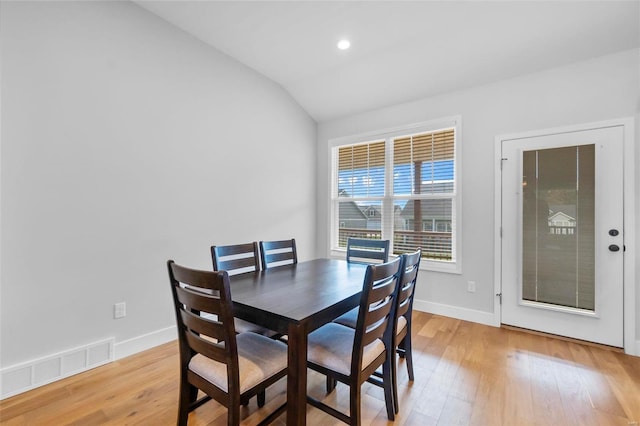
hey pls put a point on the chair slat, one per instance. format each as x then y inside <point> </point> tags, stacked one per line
<point>232,265</point>
<point>215,351</point>
<point>185,275</point>
<point>383,290</point>
<point>234,249</point>
<point>201,302</point>
<point>379,312</point>
<point>282,252</point>
<point>202,325</point>
<point>367,254</point>
<point>274,245</point>
<point>278,257</point>
<point>374,333</point>
<point>363,250</point>
<point>403,308</point>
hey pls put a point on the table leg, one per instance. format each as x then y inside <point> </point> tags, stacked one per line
<point>297,376</point>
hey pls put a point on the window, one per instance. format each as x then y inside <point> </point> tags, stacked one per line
<point>401,185</point>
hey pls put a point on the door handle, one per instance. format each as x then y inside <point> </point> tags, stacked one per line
<point>613,232</point>
<point>614,247</point>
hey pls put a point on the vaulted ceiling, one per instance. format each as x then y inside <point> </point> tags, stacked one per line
<point>401,50</point>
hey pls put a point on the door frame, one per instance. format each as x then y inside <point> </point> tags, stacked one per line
<point>631,347</point>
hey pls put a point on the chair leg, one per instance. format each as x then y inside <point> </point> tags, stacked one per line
<point>261,398</point>
<point>408,353</point>
<point>331,384</point>
<point>188,394</point>
<point>233,415</point>
<point>354,404</point>
<point>394,382</point>
<point>193,394</point>
<point>387,382</point>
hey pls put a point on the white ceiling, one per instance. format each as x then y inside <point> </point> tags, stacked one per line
<point>401,50</point>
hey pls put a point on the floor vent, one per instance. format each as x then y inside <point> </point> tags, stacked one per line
<point>32,374</point>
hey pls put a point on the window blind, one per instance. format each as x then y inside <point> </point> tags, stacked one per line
<point>361,170</point>
<point>424,163</point>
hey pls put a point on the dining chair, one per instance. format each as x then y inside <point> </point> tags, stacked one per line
<point>228,367</point>
<point>363,250</point>
<point>350,355</point>
<point>239,259</point>
<point>401,322</point>
<point>403,314</point>
<point>278,253</point>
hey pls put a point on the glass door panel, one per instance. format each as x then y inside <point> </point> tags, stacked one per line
<point>558,234</point>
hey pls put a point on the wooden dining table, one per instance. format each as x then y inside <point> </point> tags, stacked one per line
<point>295,300</point>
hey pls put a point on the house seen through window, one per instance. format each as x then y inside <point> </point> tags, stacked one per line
<point>402,187</point>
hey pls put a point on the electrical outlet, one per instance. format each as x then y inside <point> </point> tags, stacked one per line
<point>119,310</point>
<point>471,286</point>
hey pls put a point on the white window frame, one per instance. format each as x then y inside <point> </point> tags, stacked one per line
<point>454,266</point>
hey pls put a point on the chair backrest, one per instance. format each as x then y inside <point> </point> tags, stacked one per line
<point>198,297</point>
<point>362,250</point>
<point>408,278</point>
<point>377,307</point>
<point>278,253</point>
<point>236,259</point>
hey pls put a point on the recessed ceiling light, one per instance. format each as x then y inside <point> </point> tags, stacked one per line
<point>344,44</point>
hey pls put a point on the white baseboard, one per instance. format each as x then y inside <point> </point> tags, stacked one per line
<point>29,375</point>
<point>481,317</point>
<point>144,342</point>
<point>486,318</point>
<point>41,371</point>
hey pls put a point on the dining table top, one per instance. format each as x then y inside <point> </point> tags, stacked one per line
<point>312,291</point>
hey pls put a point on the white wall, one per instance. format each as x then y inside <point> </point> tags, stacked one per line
<point>126,142</point>
<point>599,89</point>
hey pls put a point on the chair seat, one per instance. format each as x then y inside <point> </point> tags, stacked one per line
<point>331,346</point>
<point>258,358</point>
<point>349,319</point>
<point>243,326</point>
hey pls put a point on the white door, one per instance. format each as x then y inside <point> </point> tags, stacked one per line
<point>562,236</point>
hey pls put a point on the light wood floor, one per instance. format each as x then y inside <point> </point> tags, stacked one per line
<point>466,373</point>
